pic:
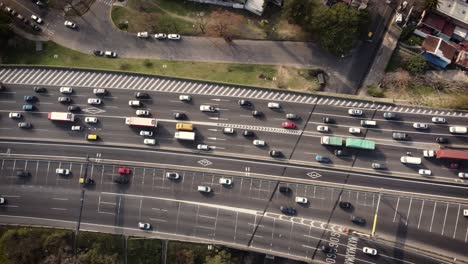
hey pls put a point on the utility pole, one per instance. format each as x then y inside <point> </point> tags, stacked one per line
<point>77,229</point>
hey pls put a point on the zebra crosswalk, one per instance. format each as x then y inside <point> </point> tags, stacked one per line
<point>104,79</point>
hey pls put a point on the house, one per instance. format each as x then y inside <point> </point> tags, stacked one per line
<point>438,51</point>
<point>255,6</point>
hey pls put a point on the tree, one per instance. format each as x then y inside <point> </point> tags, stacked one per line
<point>298,10</point>
<point>201,22</point>
<point>431,4</point>
<point>225,24</point>
<point>222,257</point>
<point>416,65</point>
<point>5,30</point>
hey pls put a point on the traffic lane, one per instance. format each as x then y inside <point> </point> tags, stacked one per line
<point>415,137</point>
<point>421,118</point>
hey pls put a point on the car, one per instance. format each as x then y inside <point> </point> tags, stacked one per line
<point>144,226</point>
<point>292,116</point>
<point>275,153</point>
<point>22,173</point>
<point>273,105</point>
<point>288,125</point>
<point>172,175</point>
<point>463,175</point>
<point>98,53</point>
<point>74,108</point>
<point>322,159</point>
<point>390,115</point>
<point>369,251</point>
<point>66,90</point>
<point>228,130</point>
<point>124,170</point>
<point>248,133</point>
<point>64,99</point>
<point>458,129</point>
<point>288,210</point>
<point>76,128</point>
<point>429,153</point>
<point>424,172</point>
<point>91,119</point>
<point>24,125</point>
<point>207,108</point>
<point>142,34</point>
<point>438,120</point>
<point>378,166</point>
<point>285,190</point>
<point>29,107</point>
<point>399,136</point>
<point>146,133</point>
<point>94,101</point>
<point>30,98</point>
<point>40,89</point>
<point>179,116</point>
<point>134,103</point>
<point>441,140</point>
<point>14,115</point>
<point>345,205</point>
<point>355,112</point>
<point>420,126</point>
<point>358,220</point>
<point>339,152</point>
<point>20,17</point>
<point>185,98</point>
<point>301,200</point>
<point>10,11</point>
<point>328,120</point>
<point>256,113</point>
<point>3,200</point>
<point>99,91</point>
<point>354,130</point>
<point>322,128</point>
<point>327,249</point>
<point>225,181</point>
<point>244,103</point>
<point>465,212</point>
<point>36,27</point>
<point>202,188</point>
<point>259,142</point>
<point>454,165</point>
<point>141,95</point>
<point>40,3</point>
<point>70,24</point>
<point>173,36</point>
<point>149,141</point>
<point>160,36</point>
<point>110,54</point>
<point>37,19</point>
<point>62,171</point>
<point>121,180</point>
<point>203,147</point>
<point>142,112</point>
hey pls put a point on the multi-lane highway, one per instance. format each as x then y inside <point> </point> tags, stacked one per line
<point>411,209</point>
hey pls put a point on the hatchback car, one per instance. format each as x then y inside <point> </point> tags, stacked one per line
<point>134,103</point>
<point>179,116</point>
<point>146,133</point>
<point>142,112</point>
<point>13,115</point>
<point>259,142</point>
<point>64,99</point>
<point>420,126</point>
<point>203,147</point>
<point>61,171</point>
<point>228,130</point>
<point>30,98</point>
<point>66,90</point>
<point>185,98</point>
<point>389,115</point>
<point>322,159</point>
<point>160,36</point>
<point>273,105</point>
<point>149,141</point>
<point>173,36</point>
<point>70,24</point>
<point>124,170</point>
<point>245,103</point>
<point>76,128</point>
<point>94,101</point>
<point>369,251</point>
<point>288,210</point>
<point>292,116</point>
<point>424,172</point>
<point>141,95</point>
<point>24,125</point>
<point>91,119</point>
<point>301,200</point>
<point>172,175</point>
<point>322,129</point>
<point>358,220</point>
<point>275,153</point>
<point>438,120</point>
<point>40,89</point>
<point>355,112</point>
<point>399,136</point>
<point>354,130</point>
<point>248,133</point>
<point>288,125</point>
<point>225,181</point>
<point>144,226</point>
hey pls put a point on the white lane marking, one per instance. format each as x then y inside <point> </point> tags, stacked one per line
<point>60,199</point>
<point>433,213</point>
<point>396,209</point>
<point>445,218</point>
<point>59,209</point>
<point>420,214</point>
<point>456,223</point>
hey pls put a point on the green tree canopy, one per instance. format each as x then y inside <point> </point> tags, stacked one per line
<point>431,4</point>
<point>298,11</point>
<point>416,65</point>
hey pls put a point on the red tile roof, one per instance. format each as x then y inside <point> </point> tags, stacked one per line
<point>434,21</point>
<point>439,47</point>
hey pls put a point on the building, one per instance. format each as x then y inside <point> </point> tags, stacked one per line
<point>255,6</point>
<point>438,51</point>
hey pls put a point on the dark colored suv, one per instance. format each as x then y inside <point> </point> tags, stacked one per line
<point>288,210</point>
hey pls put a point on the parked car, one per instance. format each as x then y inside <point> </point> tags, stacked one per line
<point>160,36</point>
<point>22,173</point>
<point>173,36</point>
<point>124,170</point>
<point>355,112</point>
<point>378,166</point>
<point>203,147</point>
<point>285,190</point>
<point>37,19</point>
<point>61,171</point>
<point>438,120</point>
<point>205,189</point>
<point>463,175</point>
<point>98,53</point>
<point>225,181</point>
<point>275,153</point>
<point>340,152</point>
<point>172,175</point>
<point>301,200</point>
<point>142,34</point>
<point>121,180</point>
<point>345,205</point>
<point>369,251</point>
<point>424,172</point>
<point>70,24</point>
<point>110,54</point>
<point>149,141</point>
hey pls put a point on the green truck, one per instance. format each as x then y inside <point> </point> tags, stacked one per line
<point>332,141</point>
<point>360,143</point>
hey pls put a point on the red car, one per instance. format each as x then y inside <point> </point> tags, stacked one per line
<point>288,125</point>
<point>124,170</point>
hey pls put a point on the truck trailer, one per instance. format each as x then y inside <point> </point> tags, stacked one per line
<point>61,116</point>
<point>332,141</point>
<point>360,143</point>
<point>452,154</point>
<point>184,135</point>
<point>141,121</point>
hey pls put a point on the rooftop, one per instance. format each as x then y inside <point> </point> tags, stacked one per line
<point>457,9</point>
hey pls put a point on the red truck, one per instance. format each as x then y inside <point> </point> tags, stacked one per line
<point>452,154</point>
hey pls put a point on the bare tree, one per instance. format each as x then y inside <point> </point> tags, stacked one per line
<point>201,22</point>
<point>225,24</point>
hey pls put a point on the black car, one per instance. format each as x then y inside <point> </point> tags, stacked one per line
<point>358,220</point>
<point>245,103</point>
<point>74,108</point>
<point>345,205</point>
<point>98,53</point>
<point>141,95</point>
<point>180,116</point>
<point>284,189</point>
<point>257,113</point>
<point>275,153</point>
<point>288,210</point>
<point>36,27</point>
<point>40,90</point>
<point>25,125</point>
<point>327,249</point>
<point>22,173</point>
<point>121,180</point>
<point>442,140</point>
<point>328,120</point>
<point>30,98</point>
<point>339,152</point>
<point>248,133</point>
<point>400,136</point>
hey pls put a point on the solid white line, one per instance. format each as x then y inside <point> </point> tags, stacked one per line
<point>396,209</point>
<point>61,199</point>
<point>456,223</point>
<point>445,218</point>
<point>433,213</point>
<point>420,214</point>
<point>409,210</point>
<point>60,209</point>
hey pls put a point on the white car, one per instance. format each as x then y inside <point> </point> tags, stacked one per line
<point>149,141</point>
<point>463,175</point>
<point>13,115</point>
<point>355,112</point>
<point>160,36</point>
<point>354,130</point>
<point>146,133</point>
<point>370,251</point>
<point>465,212</point>
<point>110,54</point>
<point>259,142</point>
<point>142,112</point>
<point>429,153</point>
<point>203,147</point>
<point>172,175</point>
<point>173,36</point>
<point>225,181</point>
<point>438,120</point>
<point>273,105</point>
<point>76,128</point>
<point>142,34</point>
<point>70,24</point>
<point>99,91</point>
<point>228,130</point>
<point>144,226</point>
<point>424,172</point>
<point>66,90</point>
<point>134,103</point>
<point>202,188</point>
<point>37,19</point>
<point>301,200</point>
<point>3,201</point>
<point>91,119</point>
<point>322,128</point>
<point>94,101</point>
<point>185,98</point>
<point>420,126</point>
<point>207,108</point>
<point>62,171</point>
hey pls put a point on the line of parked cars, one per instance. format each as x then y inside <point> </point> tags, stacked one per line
<point>159,36</point>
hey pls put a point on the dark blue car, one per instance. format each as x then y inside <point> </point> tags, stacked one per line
<point>30,98</point>
<point>28,107</point>
<point>322,159</point>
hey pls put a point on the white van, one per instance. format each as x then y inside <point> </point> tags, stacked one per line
<point>410,160</point>
<point>458,130</point>
<point>368,123</point>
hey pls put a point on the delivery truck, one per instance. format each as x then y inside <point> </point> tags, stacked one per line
<point>360,143</point>
<point>184,135</point>
<point>141,121</point>
<point>332,141</point>
<point>61,116</point>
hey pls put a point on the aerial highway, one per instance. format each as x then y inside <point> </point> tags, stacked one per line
<point>401,207</point>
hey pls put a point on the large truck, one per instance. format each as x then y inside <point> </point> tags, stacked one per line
<point>360,143</point>
<point>141,121</point>
<point>61,116</point>
<point>184,135</point>
<point>332,141</point>
<point>452,154</point>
